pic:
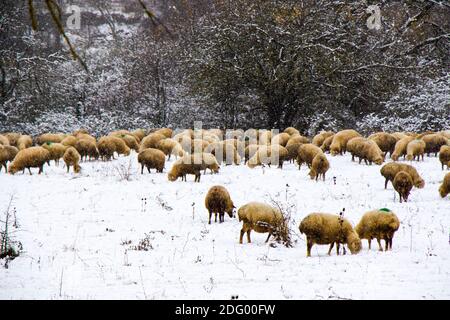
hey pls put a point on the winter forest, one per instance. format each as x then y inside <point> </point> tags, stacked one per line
<point>314,65</point>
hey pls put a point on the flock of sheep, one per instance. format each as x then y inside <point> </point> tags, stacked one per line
<point>197,151</point>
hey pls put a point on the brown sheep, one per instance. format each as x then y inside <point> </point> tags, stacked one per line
<point>24,142</point>
<point>208,161</point>
<point>444,156</point>
<point>259,217</point>
<point>152,159</point>
<point>398,135</point>
<point>415,149</point>
<point>139,134</point>
<point>185,140</point>
<point>444,189</point>
<point>319,167</point>
<point>378,224</point>
<point>106,148</point>
<point>389,170</point>
<point>50,137</point>
<point>403,184</point>
<point>166,132</point>
<point>80,131</point>
<point>151,141</point>
<point>433,143</point>
<point>56,150</point>
<point>372,153</point>
<point>69,141</point>
<point>265,137</point>
<point>72,158</point>
<point>320,138</point>
<point>291,131</point>
<point>130,140</point>
<point>340,139</point>
<point>292,150</point>
<point>297,139</point>
<point>324,228</point>
<point>4,140</point>
<point>170,147</point>
<point>34,157</point>
<point>199,145</point>
<point>400,147</point>
<point>85,136</point>
<point>281,139</point>
<point>307,153</point>
<point>218,201</point>
<point>185,166</point>
<point>87,148</point>
<point>12,138</point>
<point>385,141</point>
<point>250,151</point>
<point>120,146</point>
<point>268,155</point>
<point>355,147</point>
<point>7,153</point>
<point>327,144</point>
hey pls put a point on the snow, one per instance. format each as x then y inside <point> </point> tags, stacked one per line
<point>75,231</point>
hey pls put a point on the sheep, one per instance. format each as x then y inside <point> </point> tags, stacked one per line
<point>170,147</point>
<point>385,141</point>
<point>4,141</point>
<point>319,166</point>
<point>56,150</point>
<point>297,139</point>
<point>34,157</point>
<point>239,146</point>
<point>50,137</point>
<point>415,148</point>
<point>80,131</point>
<point>292,150</point>
<point>7,153</point>
<point>218,201</point>
<point>320,137</point>
<point>259,217</point>
<point>307,153</point>
<point>185,141</point>
<point>151,141</point>
<point>444,156</point>
<point>324,228</point>
<point>12,138</point>
<point>217,132</point>
<point>403,184</point>
<point>152,159</point>
<point>139,134</point>
<point>445,133</point>
<point>398,135</point>
<point>166,132</point>
<point>268,155</point>
<point>85,136</point>
<point>208,161</point>
<point>87,148</point>
<point>224,151</point>
<point>106,148</point>
<point>389,170</point>
<point>371,152</point>
<point>281,139</point>
<point>433,142</point>
<point>130,140</point>
<point>400,147</point>
<point>327,144</point>
<point>265,136</point>
<point>69,141</point>
<point>355,147</point>
<point>340,139</point>
<point>120,146</point>
<point>72,158</point>
<point>185,166</point>
<point>291,131</point>
<point>444,189</point>
<point>250,151</point>
<point>24,142</point>
<point>198,145</point>
<point>378,224</point>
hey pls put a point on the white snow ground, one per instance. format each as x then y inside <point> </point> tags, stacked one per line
<point>74,227</point>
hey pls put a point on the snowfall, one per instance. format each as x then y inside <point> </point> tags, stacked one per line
<point>80,234</point>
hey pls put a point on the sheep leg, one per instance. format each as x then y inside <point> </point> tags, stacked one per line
<point>268,237</point>
<point>331,247</point>
<point>148,169</point>
<point>370,243</point>
<point>386,244</point>
<point>241,236</point>
<point>338,246</point>
<point>385,183</point>
<point>323,176</point>
<point>29,170</point>
<point>309,244</point>
<point>68,168</point>
<point>248,235</point>
<point>390,243</point>
<point>379,244</point>
<point>343,249</point>
<point>142,169</point>
<point>215,217</point>
<point>210,214</point>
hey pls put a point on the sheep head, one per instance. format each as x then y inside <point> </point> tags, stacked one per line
<point>354,243</point>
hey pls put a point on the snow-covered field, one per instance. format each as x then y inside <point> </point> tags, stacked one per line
<point>78,234</point>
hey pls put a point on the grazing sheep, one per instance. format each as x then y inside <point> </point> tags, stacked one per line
<point>433,143</point>
<point>291,131</point>
<point>69,141</point>
<point>444,189</point>
<point>185,141</point>
<point>259,217</point>
<point>355,147</point>
<point>166,132</point>
<point>307,153</point>
<point>444,156</point>
<point>415,149</point>
<point>7,153</point>
<point>151,141</point>
<point>120,146</point>
<point>83,136</point>
<point>218,201</point>
<point>319,167</point>
<point>327,144</point>
<point>324,228</point>
<point>80,131</point>
<point>250,151</point>
<point>371,152</point>
<point>12,138</point>
<point>398,135</point>
<point>106,148</point>
<point>320,137</point>
<point>139,133</point>
<point>72,158</point>
<point>403,184</point>
<point>170,147</point>
<point>24,142</point>
<point>385,141</point>
<point>292,150</point>
<point>56,150</point>
<point>50,137</point>
<point>378,224</point>
<point>185,166</point>
<point>297,139</point>
<point>152,159</point>
<point>400,147</point>
<point>281,139</point>
<point>389,170</point>
<point>208,161</point>
<point>34,157</point>
<point>340,139</point>
<point>130,140</point>
<point>87,148</point>
<point>268,155</point>
<point>4,140</point>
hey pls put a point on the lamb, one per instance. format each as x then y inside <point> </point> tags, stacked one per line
<point>152,159</point>
<point>170,147</point>
<point>87,148</point>
<point>185,166</point>
<point>56,150</point>
<point>324,228</point>
<point>403,184</point>
<point>444,189</point>
<point>389,170</point>
<point>24,142</point>
<point>7,153</point>
<point>151,141</point>
<point>259,217</point>
<point>218,201</point>
<point>400,147</point>
<point>72,158</point>
<point>385,141</point>
<point>320,137</point>
<point>4,141</point>
<point>378,224</point>
<point>444,156</point>
<point>340,139</point>
<point>307,153</point>
<point>433,142</point>
<point>50,137</point>
<point>327,144</point>
<point>319,167</point>
<point>415,149</point>
<point>291,131</point>
<point>281,139</point>
<point>268,155</point>
<point>69,141</point>
<point>34,157</point>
